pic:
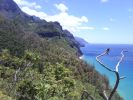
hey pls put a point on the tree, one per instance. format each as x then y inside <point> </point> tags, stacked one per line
<point>103,94</point>
<point>116,71</point>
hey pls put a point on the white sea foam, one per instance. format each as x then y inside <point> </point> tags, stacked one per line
<point>81,57</point>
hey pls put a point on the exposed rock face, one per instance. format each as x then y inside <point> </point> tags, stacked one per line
<point>73,42</point>
<point>49,29</point>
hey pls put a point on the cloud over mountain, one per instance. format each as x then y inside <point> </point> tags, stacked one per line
<point>68,21</point>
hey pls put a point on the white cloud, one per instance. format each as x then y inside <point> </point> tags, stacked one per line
<point>103,1</point>
<point>105,28</point>
<point>67,20</point>
<point>61,7</point>
<point>24,3</point>
<point>70,22</point>
<point>32,12</point>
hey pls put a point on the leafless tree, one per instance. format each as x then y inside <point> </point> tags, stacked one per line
<point>87,96</point>
<point>116,71</point>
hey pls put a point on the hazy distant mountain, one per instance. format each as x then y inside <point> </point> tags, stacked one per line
<point>81,41</point>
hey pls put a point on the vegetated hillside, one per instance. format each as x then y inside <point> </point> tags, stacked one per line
<point>39,60</point>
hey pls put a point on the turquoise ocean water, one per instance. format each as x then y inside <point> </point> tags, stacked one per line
<point>125,88</point>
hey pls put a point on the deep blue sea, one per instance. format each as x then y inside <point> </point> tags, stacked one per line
<point>125,88</point>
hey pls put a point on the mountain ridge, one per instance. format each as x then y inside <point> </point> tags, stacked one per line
<point>10,11</point>
<point>39,60</point>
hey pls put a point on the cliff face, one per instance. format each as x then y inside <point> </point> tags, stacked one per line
<point>73,41</point>
<point>10,12</point>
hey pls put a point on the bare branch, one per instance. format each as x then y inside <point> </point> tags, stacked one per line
<point>103,95</point>
<point>103,54</point>
<point>104,92</point>
<point>114,71</point>
<point>87,95</point>
<point>116,85</point>
<point>15,75</point>
<point>122,77</point>
<point>117,66</point>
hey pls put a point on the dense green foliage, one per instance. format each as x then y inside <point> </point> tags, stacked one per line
<point>39,61</point>
<point>30,78</point>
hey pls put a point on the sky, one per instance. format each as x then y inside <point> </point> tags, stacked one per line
<point>96,21</point>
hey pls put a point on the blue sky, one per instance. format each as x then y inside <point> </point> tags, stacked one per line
<point>97,21</point>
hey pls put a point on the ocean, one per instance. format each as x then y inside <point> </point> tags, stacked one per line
<point>90,52</point>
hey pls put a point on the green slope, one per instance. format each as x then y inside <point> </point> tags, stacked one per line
<point>39,61</point>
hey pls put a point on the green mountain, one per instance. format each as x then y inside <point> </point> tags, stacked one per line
<point>39,60</point>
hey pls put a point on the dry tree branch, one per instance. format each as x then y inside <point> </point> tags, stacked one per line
<point>105,66</point>
<point>15,75</point>
<point>87,95</point>
<point>117,66</point>
<point>103,95</point>
<point>122,77</point>
<point>118,78</point>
